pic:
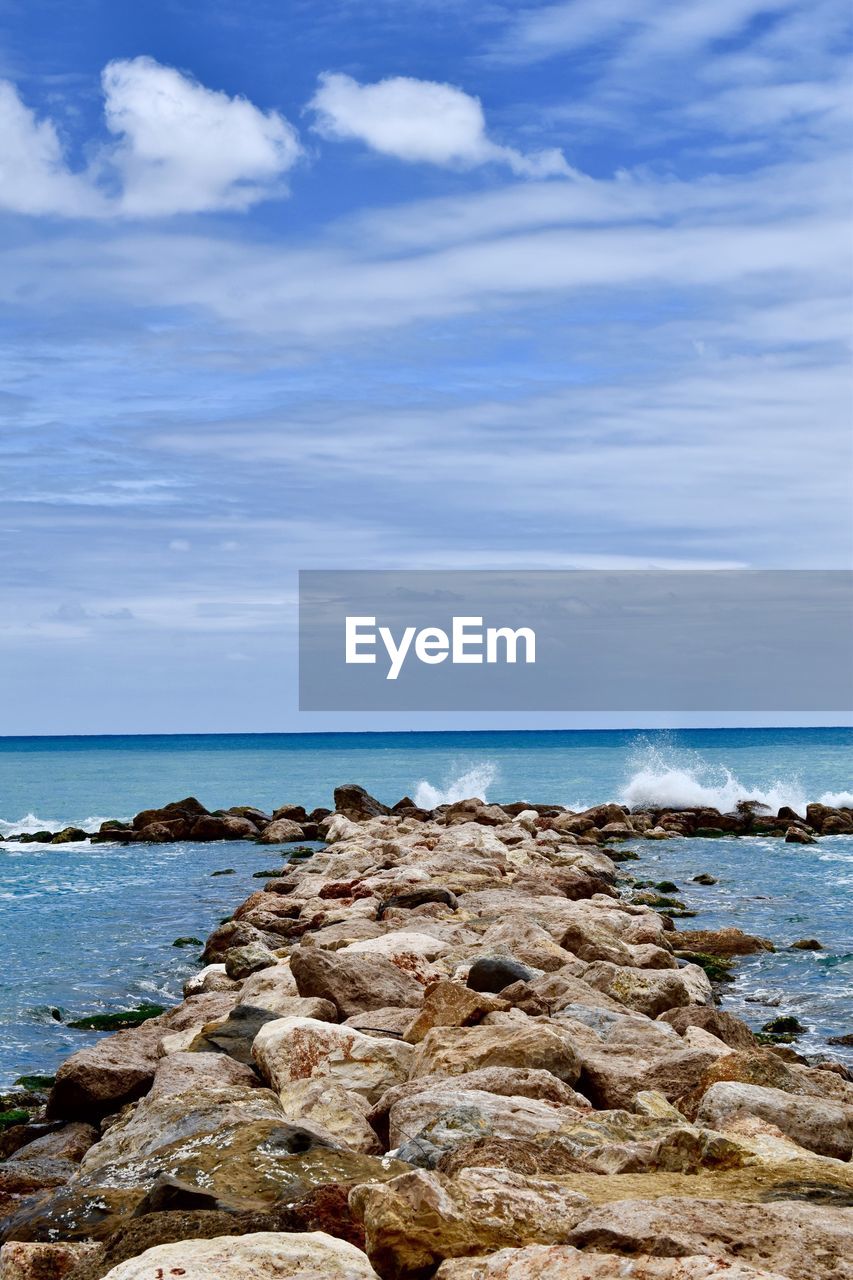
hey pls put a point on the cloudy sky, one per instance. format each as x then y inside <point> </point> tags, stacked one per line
<point>355,283</point>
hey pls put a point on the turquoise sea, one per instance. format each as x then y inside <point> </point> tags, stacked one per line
<point>86,928</point>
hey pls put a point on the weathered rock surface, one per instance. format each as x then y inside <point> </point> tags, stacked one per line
<point>451,1051</point>
<point>564,1262</point>
<point>266,1256</point>
<point>420,1218</point>
<point>291,1049</point>
<point>353,983</point>
<point>819,1124</point>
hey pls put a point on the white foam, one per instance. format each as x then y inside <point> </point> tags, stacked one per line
<point>474,783</point>
<point>837,799</point>
<point>30,823</point>
<point>665,779</point>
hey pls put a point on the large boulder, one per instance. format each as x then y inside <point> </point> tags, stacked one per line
<point>818,1124</point>
<point>265,1256</point>
<point>20,1261</point>
<point>504,1116</point>
<point>291,1049</point>
<point>725,942</point>
<point>449,1004</point>
<point>612,1075</point>
<point>322,1104</point>
<point>453,1051</point>
<point>105,1076</point>
<point>802,1241</point>
<point>725,1026</point>
<point>648,991</point>
<point>281,831</point>
<point>415,1221</point>
<point>353,983</point>
<point>358,805</point>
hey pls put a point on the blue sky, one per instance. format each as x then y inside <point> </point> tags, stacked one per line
<point>354,285</point>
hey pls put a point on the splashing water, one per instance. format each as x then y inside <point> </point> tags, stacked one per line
<point>30,823</point>
<point>666,777</point>
<point>475,782</point>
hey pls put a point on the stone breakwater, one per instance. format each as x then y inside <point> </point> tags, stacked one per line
<point>447,1044</point>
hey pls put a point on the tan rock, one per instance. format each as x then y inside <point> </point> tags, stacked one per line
<point>563,1262</point>
<point>400,942</point>
<point>648,991</point>
<point>20,1261</point>
<point>802,1241</point>
<point>420,1218</point>
<point>612,1075</point>
<point>266,1256</point>
<point>818,1124</point>
<point>322,1104</point>
<point>269,985</point>
<point>353,982</point>
<point>450,1004</point>
<point>281,831</point>
<point>498,1114</point>
<point>301,1048</point>
<point>452,1051</point>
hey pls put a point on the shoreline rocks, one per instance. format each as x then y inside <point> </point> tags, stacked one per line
<point>442,1045</point>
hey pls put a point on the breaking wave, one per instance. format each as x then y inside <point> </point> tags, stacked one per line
<point>664,778</point>
<point>30,823</point>
<point>475,782</point>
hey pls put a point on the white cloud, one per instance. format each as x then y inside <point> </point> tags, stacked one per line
<point>180,148</point>
<point>420,121</point>
<point>34,175</point>
<point>185,148</point>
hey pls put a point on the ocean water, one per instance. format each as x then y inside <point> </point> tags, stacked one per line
<point>85,929</point>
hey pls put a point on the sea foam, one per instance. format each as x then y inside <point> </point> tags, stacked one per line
<point>474,782</point>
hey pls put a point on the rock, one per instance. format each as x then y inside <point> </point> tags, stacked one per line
<point>846,1040</point>
<point>705,878</point>
<point>233,1035</point>
<point>353,983</point>
<point>766,1068</point>
<point>281,831</point>
<point>299,1048</point>
<point>797,835</point>
<point>818,1124</point>
<point>725,1026</point>
<point>358,805</point>
<point>722,942</point>
<point>564,1262</point>
<point>401,942</point>
<point>474,810</point>
<point>268,988</point>
<point>800,1241</point>
<point>612,1075</point>
<point>211,978</point>
<point>69,835</point>
<point>233,933</point>
<point>70,1142</point>
<point>452,1051</point>
<point>20,1261</point>
<point>415,1221</point>
<point>492,974</point>
<point>648,991</point>
<point>242,962</point>
<point>806,944</point>
<point>503,1116</point>
<point>221,827</point>
<point>264,1256</point>
<point>324,1105</point>
<point>105,1076</point>
<point>413,898</point>
<point>449,1004</point>
<point>382,1022</point>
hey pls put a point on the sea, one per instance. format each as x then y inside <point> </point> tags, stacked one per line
<point>89,929</point>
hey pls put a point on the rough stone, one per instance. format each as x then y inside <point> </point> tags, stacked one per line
<point>300,1048</point>
<point>353,983</point>
<point>264,1256</point>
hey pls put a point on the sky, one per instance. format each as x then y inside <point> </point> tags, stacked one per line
<point>315,284</point>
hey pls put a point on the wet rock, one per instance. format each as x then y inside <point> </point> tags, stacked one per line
<point>705,878</point>
<point>818,1124</point>
<point>264,1256</point>
<point>807,944</point>
<point>492,974</point>
<point>104,1077</point>
<point>798,835</point>
<point>299,1048</point>
<point>802,1242</point>
<point>723,942</point>
<point>353,983</point>
<point>415,1221</point>
<point>358,805</point>
<point>452,1051</point>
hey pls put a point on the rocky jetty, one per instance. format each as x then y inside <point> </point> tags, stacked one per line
<point>188,819</point>
<point>448,1044</point>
